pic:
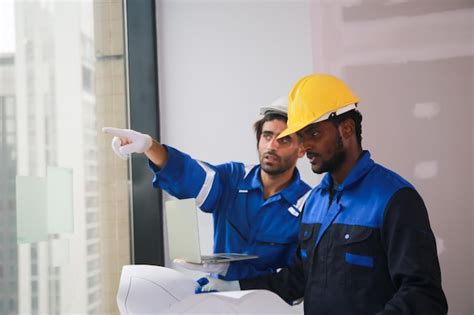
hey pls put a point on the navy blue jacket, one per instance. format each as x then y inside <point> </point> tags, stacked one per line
<point>243,221</point>
<point>367,250</point>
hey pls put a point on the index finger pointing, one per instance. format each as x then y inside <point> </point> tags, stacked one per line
<point>118,132</point>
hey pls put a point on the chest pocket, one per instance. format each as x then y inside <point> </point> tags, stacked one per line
<point>359,247</point>
<point>355,235</point>
<point>306,238</point>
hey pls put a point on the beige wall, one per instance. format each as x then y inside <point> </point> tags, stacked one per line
<point>411,63</point>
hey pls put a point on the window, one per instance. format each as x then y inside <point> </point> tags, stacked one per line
<point>61,57</point>
<point>87,79</point>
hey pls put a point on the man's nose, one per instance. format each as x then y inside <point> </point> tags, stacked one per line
<point>273,143</point>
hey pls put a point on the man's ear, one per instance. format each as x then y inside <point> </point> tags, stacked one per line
<point>347,128</point>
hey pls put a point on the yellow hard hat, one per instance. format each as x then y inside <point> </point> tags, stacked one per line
<point>315,98</point>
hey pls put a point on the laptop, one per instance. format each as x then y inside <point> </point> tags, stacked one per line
<point>183,235</point>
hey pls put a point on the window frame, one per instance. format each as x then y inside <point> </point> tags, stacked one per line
<point>143,104</point>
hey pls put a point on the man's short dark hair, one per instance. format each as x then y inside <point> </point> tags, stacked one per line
<point>258,125</point>
<point>356,116</point>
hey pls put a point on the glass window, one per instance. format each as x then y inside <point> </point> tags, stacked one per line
<point>87,79</point>
<point>57,59</point>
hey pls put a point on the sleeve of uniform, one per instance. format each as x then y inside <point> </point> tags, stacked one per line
<point>185,177</point>
<point>288,283</point>
<point>412,258</point>
<point>243,270</point>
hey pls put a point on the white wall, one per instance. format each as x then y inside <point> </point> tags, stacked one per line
<point>219,61</point>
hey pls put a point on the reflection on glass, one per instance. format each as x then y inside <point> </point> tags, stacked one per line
<point>59,200</point>
<point>65,258</point>
<point>31,212</point>
<point>60,253</point>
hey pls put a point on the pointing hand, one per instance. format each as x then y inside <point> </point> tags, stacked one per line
<point>127,141</point>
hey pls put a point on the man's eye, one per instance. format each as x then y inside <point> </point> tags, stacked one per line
<point>284,140</point>
<point>315,134</point>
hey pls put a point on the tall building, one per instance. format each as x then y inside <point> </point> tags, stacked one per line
<point>50,110</point>
<point>57,128</point>
<point>8,245</point>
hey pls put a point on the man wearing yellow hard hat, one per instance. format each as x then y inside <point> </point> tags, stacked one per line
<point>365,242</point>
<point>256,208</point>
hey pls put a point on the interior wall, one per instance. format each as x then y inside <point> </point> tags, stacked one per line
<point>411,63</point>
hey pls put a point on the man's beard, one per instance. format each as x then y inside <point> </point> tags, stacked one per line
<point>282,165</point>
<point>337,159</point>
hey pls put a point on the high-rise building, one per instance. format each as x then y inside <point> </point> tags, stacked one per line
<point>57,128</point>
<point>8,245</point>
<point>64,78</point>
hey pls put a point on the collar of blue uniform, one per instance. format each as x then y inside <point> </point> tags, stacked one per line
<point>359,170</point>
<point>291,193</point>
<point>251,180</point>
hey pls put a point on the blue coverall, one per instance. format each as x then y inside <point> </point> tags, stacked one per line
<point>365,247</point>
<point>243,221</point>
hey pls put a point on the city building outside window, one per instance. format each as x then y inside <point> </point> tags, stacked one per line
<point>64,196</point>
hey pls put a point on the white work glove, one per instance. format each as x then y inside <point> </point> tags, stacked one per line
<point>127,141</point>
<point>209,284</point>
<point>213,269</point>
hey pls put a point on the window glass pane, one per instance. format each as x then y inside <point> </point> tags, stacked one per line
<point>63,193</point>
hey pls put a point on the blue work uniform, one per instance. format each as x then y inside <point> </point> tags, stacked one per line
<point>243,221</point>
<point>365,247</point>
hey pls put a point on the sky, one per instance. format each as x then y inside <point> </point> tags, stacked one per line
<point>7,26</point>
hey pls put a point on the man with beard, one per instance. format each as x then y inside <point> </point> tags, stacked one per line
<point>256,209</point>
<point>365,242</point>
